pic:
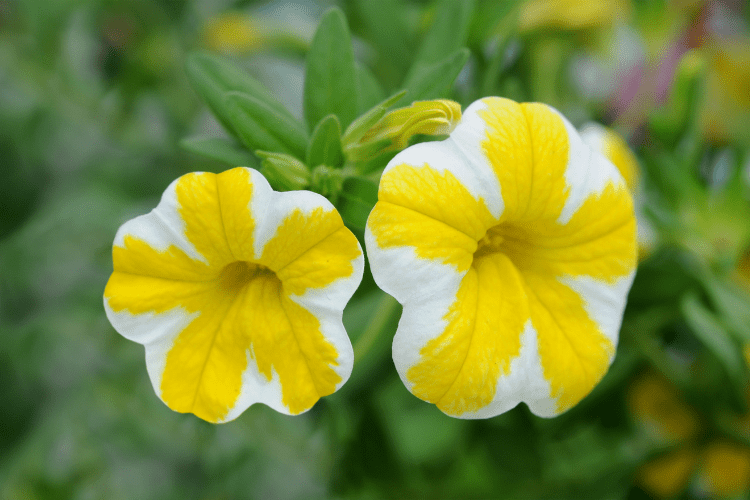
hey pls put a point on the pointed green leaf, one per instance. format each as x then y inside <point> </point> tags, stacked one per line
<point>448,32</point>
<point>219,149</point>
<point>212,77</point>
<point>386,26</point>
<point>369,91</point>
<point>261,126</point>
<point>361,125</point>
<point>730,302</point>
<point>432,81</point>
<point>356,200</point>
<point>712,335</point>
<point>330,82</point>
<point>324,147</point>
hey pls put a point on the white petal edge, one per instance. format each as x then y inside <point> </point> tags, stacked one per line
<point>588,165</point>
<point>160,228</point>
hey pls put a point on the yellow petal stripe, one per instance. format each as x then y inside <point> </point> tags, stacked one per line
<point>246,308</point>
<point>513,267</point>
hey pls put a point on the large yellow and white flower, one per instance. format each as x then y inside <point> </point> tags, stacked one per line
<point>511,246</point>
<point>237,292</point>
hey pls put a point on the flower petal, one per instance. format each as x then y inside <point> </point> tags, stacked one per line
<point>459,369</point>
<point>511,247</point>
<point>195,282</point>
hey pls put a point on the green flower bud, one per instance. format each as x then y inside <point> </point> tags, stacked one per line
<point>284,172</point>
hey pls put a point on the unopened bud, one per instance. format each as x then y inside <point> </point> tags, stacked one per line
<point>284,172</point>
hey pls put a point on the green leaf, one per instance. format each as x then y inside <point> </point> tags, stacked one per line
<point>219,149</point>
<point>356,200</point>
<point>330,81</point>
<point>386,26</point>
<point>324,147</point>
<point>712,334</point>
<point>370,319</point>
<point>730,303</point>
<point>448,32</point>
<point>361,125</point>
<point>261,126</point>
<point>327,181</point>
<point>421,433</point>
<point>432,81</point>
<point>369,91</point>
<point>213,77</point>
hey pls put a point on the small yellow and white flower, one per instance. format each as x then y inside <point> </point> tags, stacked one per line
<point>511,246</point>
<point>237,292</point>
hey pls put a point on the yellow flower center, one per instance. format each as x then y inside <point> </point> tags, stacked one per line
<point>490,243</point>
<point>505,238</point>
<point>236,275</point>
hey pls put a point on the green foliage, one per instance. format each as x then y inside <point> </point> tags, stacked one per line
<point>95,98</point>
<point>214,78</point>
<point>325,144</point>
<point>219,149</point>
<point>260,126</point>
<point>330,76</point>
<point>358,196</point>
<point>430,81</point>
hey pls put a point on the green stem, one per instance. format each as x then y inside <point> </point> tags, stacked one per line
<point>383,313</point>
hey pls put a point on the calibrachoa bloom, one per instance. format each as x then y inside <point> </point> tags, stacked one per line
<point>237,292</point>
<point>511,246</point>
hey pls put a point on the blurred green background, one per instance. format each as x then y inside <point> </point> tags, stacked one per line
<point>94,101</point>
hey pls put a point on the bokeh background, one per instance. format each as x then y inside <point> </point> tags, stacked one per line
<point>94,102</point>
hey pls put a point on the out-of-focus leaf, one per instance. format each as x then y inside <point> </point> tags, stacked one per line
<point>731,303</point>
<point>357,198</point>
<point>432,81</point>
<point>261,126</point>
<point>448,32</point>
<point>330,81</point>
<point>369,91</point>
<point>325,144</point>
<point>221,150</point>
<point>386,27</point>
<point>213,77</point>
<point>421,433</point>
<point>370,319</point>
<point>492,19</point>
<point>710,332</point>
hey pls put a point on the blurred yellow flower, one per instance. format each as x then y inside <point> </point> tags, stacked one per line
<point>237,292</point>
<point>726,106</point>
<point>725,469</point>
<point>571,14</point>
<point>668,474</point>
<point>721,468</point>
<point>512,249</point>
<point>656,405</point>
<point>234,32</point>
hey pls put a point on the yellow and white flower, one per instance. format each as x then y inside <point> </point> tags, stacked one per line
<point>237,292</point>
<point>511,246</point>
